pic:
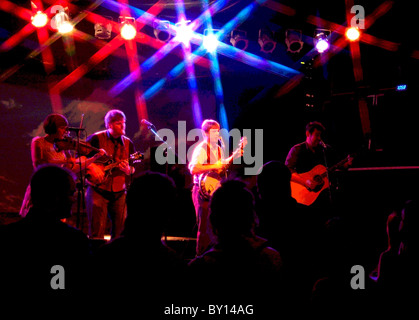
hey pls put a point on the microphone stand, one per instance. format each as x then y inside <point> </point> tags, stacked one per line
<point>327,175</point>
<point>80,185</point>
<point>152,128</point>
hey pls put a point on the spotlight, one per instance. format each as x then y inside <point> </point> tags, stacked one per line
<point>321,42</point>
<point>103,28</point>
<point>39,19</point>
<point>183,32</point>
<point>401,87</point>
<point>293,40</point>
<point>210,41</point>
<point>61,22</point>
<point>266,42</point>
<point>162,30</point>
<point>238,39</point>
<point>352,34</point>
<point>128,30</point>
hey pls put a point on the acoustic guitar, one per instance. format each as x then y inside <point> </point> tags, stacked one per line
<point>210,181</point>
<point>319,174</point>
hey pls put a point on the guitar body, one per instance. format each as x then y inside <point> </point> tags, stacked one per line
<point>208,182</point>
<point>106,168</point>
<point>92,176</point>
<point>305,196</point>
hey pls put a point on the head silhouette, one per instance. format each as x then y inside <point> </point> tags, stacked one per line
<point>150,199</point>
<point>52,192</point>
<point>232,210</point>
<point>274,181</point>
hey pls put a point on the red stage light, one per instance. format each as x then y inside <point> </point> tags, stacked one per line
<point>352,34</point>
<point>128,29</point>
<point>39,19</point>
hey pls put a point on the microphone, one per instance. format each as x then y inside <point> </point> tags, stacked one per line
<point>147,123</point>
<point>75,129</point>
<point>323,144</point>
<point>221,143</point>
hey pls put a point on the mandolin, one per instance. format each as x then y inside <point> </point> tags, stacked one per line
<point>107,168</point>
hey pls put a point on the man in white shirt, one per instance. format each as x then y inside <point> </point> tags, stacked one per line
<point>208,156</point>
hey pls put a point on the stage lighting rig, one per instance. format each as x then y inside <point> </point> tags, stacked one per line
<point>184,32</point>
<point>61,22</point>
<point>162,30</point>
<point>39,19</point>
<point>210,41</point>
<point>321,40</point>
<point>238,38</point>
<point>103,28</point>
<point>265,40</point>
<point>353,34</point>
<point>293,40</point>
<point>128,28</point>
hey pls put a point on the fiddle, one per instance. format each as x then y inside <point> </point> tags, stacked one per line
<point>68,143</point>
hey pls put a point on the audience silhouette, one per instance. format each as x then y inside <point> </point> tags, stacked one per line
<point>397,277</point>
<point>241,266</point>
<point>389,258</point>
<point>270,252</point>
<point>332,292</point>
<point>290,227</point>
<point>139,263</point>
<point>31,247</point>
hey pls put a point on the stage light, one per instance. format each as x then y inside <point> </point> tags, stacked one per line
<point>238,38</point>
<point>183,32</point>
<point>103,28</point>
<point>266,42</point>
<point>210,41</point>
<point>62,22</point>
<point>321,42</point>
<point>128,30</point>
<point>293,40</point>
<point>162,30</point>
<point>39,19</point>
<point>322,45</point>
<point>352,34</point>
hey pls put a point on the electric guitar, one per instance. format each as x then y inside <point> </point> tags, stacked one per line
<point>210,181</point>
<point>107,168</point>
<point>319,175</point>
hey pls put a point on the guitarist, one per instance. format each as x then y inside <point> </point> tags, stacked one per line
<point>207,156</point>
<point>306,155</point>
<point>106,196</point>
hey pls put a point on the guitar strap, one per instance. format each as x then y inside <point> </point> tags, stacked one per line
<point>209,153</point>
<point>120,150</point>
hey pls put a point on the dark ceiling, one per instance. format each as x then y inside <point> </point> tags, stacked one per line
<point>382,68</point>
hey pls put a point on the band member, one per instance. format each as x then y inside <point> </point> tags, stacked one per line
<point>305,156</point>
<point>44,151</point>
<point>106,191</point>
<point>208,156</point>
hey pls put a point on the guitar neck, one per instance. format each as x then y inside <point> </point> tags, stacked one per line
<point>111,166</point>
<point>335,167</point>
<point>241,146</point>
